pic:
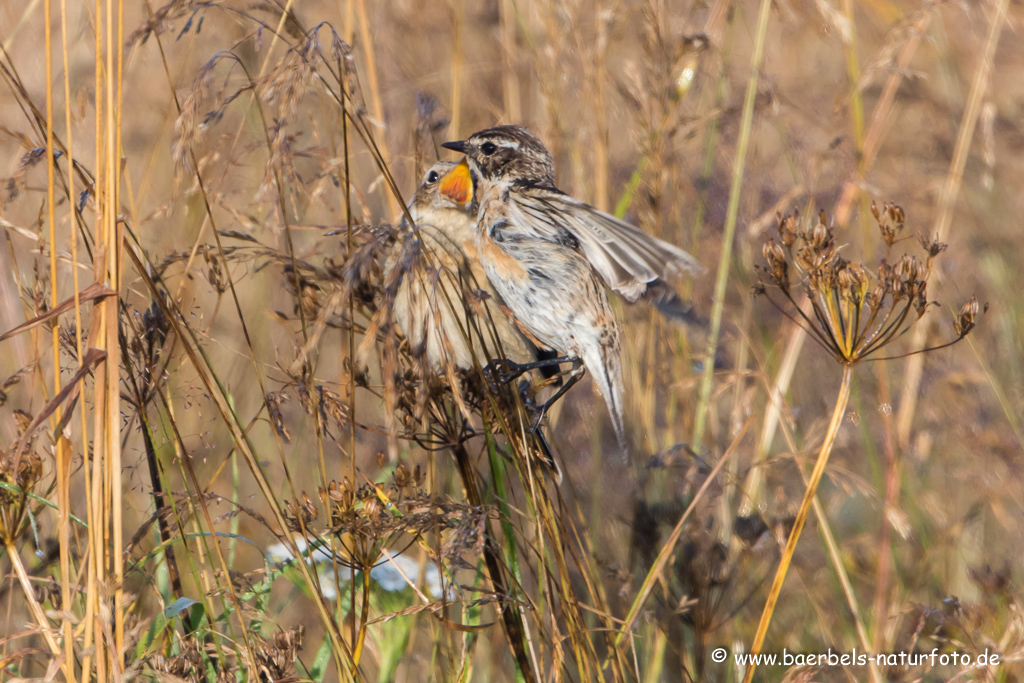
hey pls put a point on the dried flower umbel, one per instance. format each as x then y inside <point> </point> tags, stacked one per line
<point>854,313</point>
<point>367,519</point>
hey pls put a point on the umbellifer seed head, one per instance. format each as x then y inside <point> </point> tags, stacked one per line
<point>964,322</point>
<point>777,266</point>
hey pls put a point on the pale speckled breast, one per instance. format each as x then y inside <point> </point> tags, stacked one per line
<point>429,306</point>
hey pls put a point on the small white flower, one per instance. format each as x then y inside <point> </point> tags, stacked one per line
<point>387,573</point>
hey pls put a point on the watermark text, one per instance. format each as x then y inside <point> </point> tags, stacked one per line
<point>856,658</point>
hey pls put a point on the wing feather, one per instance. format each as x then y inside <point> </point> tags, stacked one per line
<point>627,258</point>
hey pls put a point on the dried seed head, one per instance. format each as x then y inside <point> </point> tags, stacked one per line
<point>190,124</point>
<point>852,282</point>
<point>298,515</point>
<point>909,278</point>
<point>964,322</point>
<point>23,419</point>
<point>821,238</point>
<point>921,302</point>
<point>373,508</point>
<point>156,324</point>
<point>818,252</point>
<point>787,229</point>
<point>291,78</point>
<point>906,268</point>
<point>933,247</point>
<point>338,501</point>
<point>30,471</point>
<point>856,312</point>
<point>331,406</point>
<point>875,298</point>
<point>329,494</point>
<point>890,221</point>
<point>274,399</point>
<point>896,215</point>
<point>403,477</point>
<point>778,268</point>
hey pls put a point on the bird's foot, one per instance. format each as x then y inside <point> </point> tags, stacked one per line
<point>504,371</point>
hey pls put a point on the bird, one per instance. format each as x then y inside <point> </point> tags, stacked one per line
<point>435,271</point>
<point>436,266</point>
<point>546,254</point>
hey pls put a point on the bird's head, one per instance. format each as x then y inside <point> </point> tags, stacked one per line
<point>507,153</point>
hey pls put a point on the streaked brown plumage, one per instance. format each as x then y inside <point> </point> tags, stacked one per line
<point>442,277</point>
<point>543,252</point>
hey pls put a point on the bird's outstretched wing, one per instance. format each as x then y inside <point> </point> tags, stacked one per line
<point>627,258</point>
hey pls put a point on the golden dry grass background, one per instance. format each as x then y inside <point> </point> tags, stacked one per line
<point>641,104</point>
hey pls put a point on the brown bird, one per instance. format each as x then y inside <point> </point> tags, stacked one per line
<point>439,272</point>
<point>546,253</point>
<point>430,303</point>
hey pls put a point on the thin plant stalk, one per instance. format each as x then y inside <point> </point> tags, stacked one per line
<point>600,114</point>
<point>856,108</point>
<point>510,80</point>
<point>62,446</point>
<point>667,550</point>
<point>892,491</point>
<point>366,37</point>
<point>64,473</point>
<point>30,597</point>
<point>880,117</point>
<point>96,562</point>
<point>730,226</point>
<point>515,625</point>
<point>844,580</point>
<point>458,18</point>
<point>835,556</point>
<point>801,516</point>
<point>771,419</point>
<point>950,191</point>
<point>115,37</point>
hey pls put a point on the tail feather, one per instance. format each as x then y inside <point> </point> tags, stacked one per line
<point>672,306</point>
<point>606,367</point>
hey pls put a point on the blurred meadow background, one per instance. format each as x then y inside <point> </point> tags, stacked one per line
<point>198,387</point>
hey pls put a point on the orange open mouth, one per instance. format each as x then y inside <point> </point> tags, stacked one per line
<point>457,184</point>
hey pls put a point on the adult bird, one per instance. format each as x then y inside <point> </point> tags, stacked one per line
<point>546,254</point>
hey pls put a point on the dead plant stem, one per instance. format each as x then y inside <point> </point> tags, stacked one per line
<point>950,191</point>
<point>724,262</point>
<point>30,597</point>
<point>801,516</point>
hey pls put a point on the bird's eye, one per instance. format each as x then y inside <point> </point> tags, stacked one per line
<point>432,177</point>
<point>488,148</point>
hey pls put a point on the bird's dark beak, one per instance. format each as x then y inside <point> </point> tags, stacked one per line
<point>458,146</point>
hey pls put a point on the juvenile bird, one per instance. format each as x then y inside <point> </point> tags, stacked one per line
<point>438,269</point>
<point>442,269</point>
<point>543,252</point>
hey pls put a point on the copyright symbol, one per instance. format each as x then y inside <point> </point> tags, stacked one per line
<point>718,655</point>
